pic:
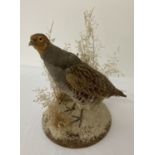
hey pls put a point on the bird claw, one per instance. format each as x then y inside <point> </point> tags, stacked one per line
<point>78,118</point>
<point>70,109</point>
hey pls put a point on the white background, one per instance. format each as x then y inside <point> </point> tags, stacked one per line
<point>144,77</point>
<point>115,19</point>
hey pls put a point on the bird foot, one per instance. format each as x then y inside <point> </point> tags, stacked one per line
<point>78,118</point>
<point>70,109</point>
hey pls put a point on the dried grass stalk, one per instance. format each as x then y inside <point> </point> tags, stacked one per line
<point>87,47</point>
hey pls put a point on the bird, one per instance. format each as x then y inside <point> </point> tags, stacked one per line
<point>82,83</point>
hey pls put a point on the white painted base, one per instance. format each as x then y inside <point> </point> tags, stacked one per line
<point>59,127</point>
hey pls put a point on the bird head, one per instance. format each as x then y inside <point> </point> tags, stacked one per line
<point>40,42</point>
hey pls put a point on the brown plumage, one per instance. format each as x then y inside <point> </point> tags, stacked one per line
<point>89,84</point>
<point>76,78</point>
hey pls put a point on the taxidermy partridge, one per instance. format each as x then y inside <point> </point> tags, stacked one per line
<point>75,78</point>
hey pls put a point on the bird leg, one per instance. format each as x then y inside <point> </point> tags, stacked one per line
<point>78,118</point>
<point>70,109</point>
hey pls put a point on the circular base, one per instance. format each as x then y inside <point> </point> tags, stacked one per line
<point>75,143</point>
<point>58,127</point>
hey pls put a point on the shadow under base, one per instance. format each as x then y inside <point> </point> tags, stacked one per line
<point>59,129</point>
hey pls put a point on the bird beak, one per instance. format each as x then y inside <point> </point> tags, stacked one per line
<point>31,43</point>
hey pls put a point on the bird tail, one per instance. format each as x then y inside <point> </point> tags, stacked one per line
<point>119,93</point>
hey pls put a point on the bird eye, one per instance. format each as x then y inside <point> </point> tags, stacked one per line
<point>40,39</point>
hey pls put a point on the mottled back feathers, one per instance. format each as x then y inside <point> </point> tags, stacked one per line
<point>84,83</point>
<point>82,79</point>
